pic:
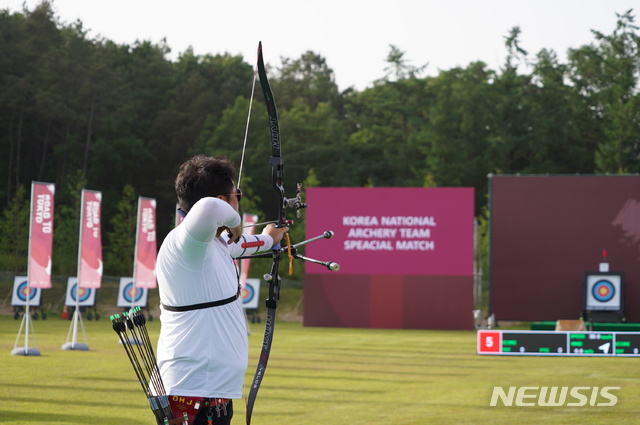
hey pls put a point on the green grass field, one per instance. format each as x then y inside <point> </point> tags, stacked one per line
<point>315,376</point>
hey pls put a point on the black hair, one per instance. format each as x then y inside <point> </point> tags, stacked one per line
<point>202,176</point>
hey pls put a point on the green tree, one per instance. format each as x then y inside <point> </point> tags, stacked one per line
<point>315,139</point>
<point>308,80</point>
<point>399,68</point>
<point>385,122</point>
<point>67,226</point>
<point>27,36</point>
<point>455,142</point>
<point>59,103</point>
<point>225,135</point>
<point>538,126</point>
<point>207,86</point>
<point>384,126</point>
<point>121,240</point>
<point>563,139</point>
<point>14,233</point>
<point>606,76</point>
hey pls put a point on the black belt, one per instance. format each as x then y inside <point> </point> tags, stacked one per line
<point>203,305</point>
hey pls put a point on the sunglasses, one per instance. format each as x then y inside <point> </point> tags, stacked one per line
<point>238,194</point>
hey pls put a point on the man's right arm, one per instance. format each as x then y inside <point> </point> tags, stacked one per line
<point>207,216</point>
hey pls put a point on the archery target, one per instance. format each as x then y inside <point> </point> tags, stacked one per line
<point>83,297</point>
<point>129,295</point>
<point>250,293</point>
<point>20,294</point>
<point>603,292</point>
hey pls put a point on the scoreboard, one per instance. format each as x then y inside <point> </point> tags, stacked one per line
<point>554,343</point>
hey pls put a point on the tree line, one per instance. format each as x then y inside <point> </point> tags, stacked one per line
<point>88,112</point>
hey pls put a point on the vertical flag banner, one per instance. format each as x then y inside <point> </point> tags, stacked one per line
<point>179,217</point>
<point>146,251</point>
<point>90,246</point>
<point>250,287</point>
<point>41,235</point>
<point>248,221</point>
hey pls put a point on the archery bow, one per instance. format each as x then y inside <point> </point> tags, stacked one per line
<point>273,278</point>
<point>277,176</point>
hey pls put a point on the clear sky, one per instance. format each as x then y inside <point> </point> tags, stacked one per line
<point>352,35</point>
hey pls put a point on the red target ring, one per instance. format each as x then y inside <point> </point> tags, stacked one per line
<point>247,294</point>
<point>603,291</point>
<point>24,291</point>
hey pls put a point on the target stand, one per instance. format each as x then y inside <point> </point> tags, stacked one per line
<point>22,298</point>
<point>604,297</point>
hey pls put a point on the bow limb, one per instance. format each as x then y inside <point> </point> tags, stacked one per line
<point>276,160</point>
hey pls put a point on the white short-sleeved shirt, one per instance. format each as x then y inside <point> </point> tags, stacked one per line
<point>203,353</point>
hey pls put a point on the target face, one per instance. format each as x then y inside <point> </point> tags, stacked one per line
<point>249,293</point>
<point>22,292</point>
<point>603,292</point>
<point>81,294</point>
<point>25,292</point>
<point>129,295</point>
<point>83,297</point>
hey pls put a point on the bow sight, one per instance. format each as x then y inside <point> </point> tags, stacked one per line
<point>297,201</point>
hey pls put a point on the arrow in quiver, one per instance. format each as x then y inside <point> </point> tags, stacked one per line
<point>132,331</point>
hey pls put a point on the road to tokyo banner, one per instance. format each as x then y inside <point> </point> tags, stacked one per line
<point>90,255</point>
<point>408,231</point>
<point>41,235</point>
<point>145,258</point>
<point>248,221</point>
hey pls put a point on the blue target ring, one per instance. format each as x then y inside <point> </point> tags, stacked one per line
<point>80,294</point>
<point>247,294</point>
<point>131,293</point>
<point>22,292</point>
<point>603,291</point>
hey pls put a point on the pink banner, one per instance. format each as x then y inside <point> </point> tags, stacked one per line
<point>392,231</point>
<point>41,235</point>
<point>179,217</point>
<point>90,255</point>
<point>249,221</point>
<point>145,261</point>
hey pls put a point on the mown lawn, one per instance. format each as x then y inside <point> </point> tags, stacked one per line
<point>315,376</point>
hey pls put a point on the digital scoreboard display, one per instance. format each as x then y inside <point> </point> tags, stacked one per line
<point>552,343</point>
